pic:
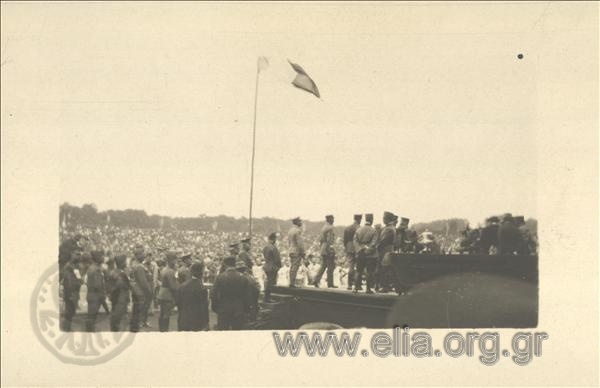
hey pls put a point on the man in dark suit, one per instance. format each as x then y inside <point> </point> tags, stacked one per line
<point>245,255</point>
<point>350,250</point>
<point>272,265</point>
<point>230,297</point>
<point>192,302</point>
<point>96,291</point>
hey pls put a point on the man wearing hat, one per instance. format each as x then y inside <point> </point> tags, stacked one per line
<point>365,241</point>
<point>119,293</point>
<point>296,249</point>
<point>385,247</point>
<point>327,253</point>
<point>230,299</point>
<point>272,264</point>
<point>71,286</point>
<point>349,233</point>
<point>96,291</point>
<point>168,292</point>
<point>244,254</point>
<point>192,302</point>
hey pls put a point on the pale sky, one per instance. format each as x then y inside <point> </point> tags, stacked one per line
<point>423,113</point>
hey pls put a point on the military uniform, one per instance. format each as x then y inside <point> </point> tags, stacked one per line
<point>296,250</point>
<point>385,247</point>
<point>167,297</point>
<point>71,286</point>
<point>349,233</point>
<point>365,240</point>
<point>327,240</point>
<point>140,289</point>
<point>271,267</point>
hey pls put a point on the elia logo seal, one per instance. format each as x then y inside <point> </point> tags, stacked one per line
<point>80,348</point>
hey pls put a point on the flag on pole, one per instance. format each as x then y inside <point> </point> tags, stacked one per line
<point>303,81</point>
<point>263,64</point>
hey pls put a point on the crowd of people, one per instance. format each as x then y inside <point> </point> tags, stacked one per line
<point>135,271</point>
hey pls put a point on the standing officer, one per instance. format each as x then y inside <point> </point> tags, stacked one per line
<point>327,253</point>
<point>119,293</point>
<point>230,297</point>
<point>385,247</point>
<point>365,240</point>
<point>244,254</point>
<point>71,286</point>
<point>141,290</point>
<point>402,235</point>
<point>192,302</point>
<point>167,292</point>
<point>296,249</point>
<point>96,291</point>
<point>349,248</point>
<point>272,265</point>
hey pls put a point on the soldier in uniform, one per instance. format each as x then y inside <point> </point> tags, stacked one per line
<point>168,292</point>
<point>140,289</point>
<point>508,236</point>
<point>230,299</point>
<point>385,247</point>
<point>96,289</point>
<point>402,235</point>
<point>296,249</point>
<point>192,302</point>
<point>272,265</point>
<point>119,292</point>
<point>327,253</point>
<point>349,248</point>
<point>244,254</point>
<point>71,285</point>
<point>365,241</point>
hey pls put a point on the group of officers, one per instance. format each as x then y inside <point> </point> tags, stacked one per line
<point>235,292</point>
<point>367,250</point>
<point>234,295</point>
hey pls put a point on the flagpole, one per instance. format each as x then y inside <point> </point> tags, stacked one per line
<point>253,153</point>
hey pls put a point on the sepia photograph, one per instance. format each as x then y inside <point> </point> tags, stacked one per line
<point>302,173</point>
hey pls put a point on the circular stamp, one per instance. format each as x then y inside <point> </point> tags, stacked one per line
<point>80,348</point>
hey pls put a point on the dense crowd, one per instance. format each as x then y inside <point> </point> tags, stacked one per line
<point>96,262</point>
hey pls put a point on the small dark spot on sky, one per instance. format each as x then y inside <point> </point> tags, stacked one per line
<point>520,56</point>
